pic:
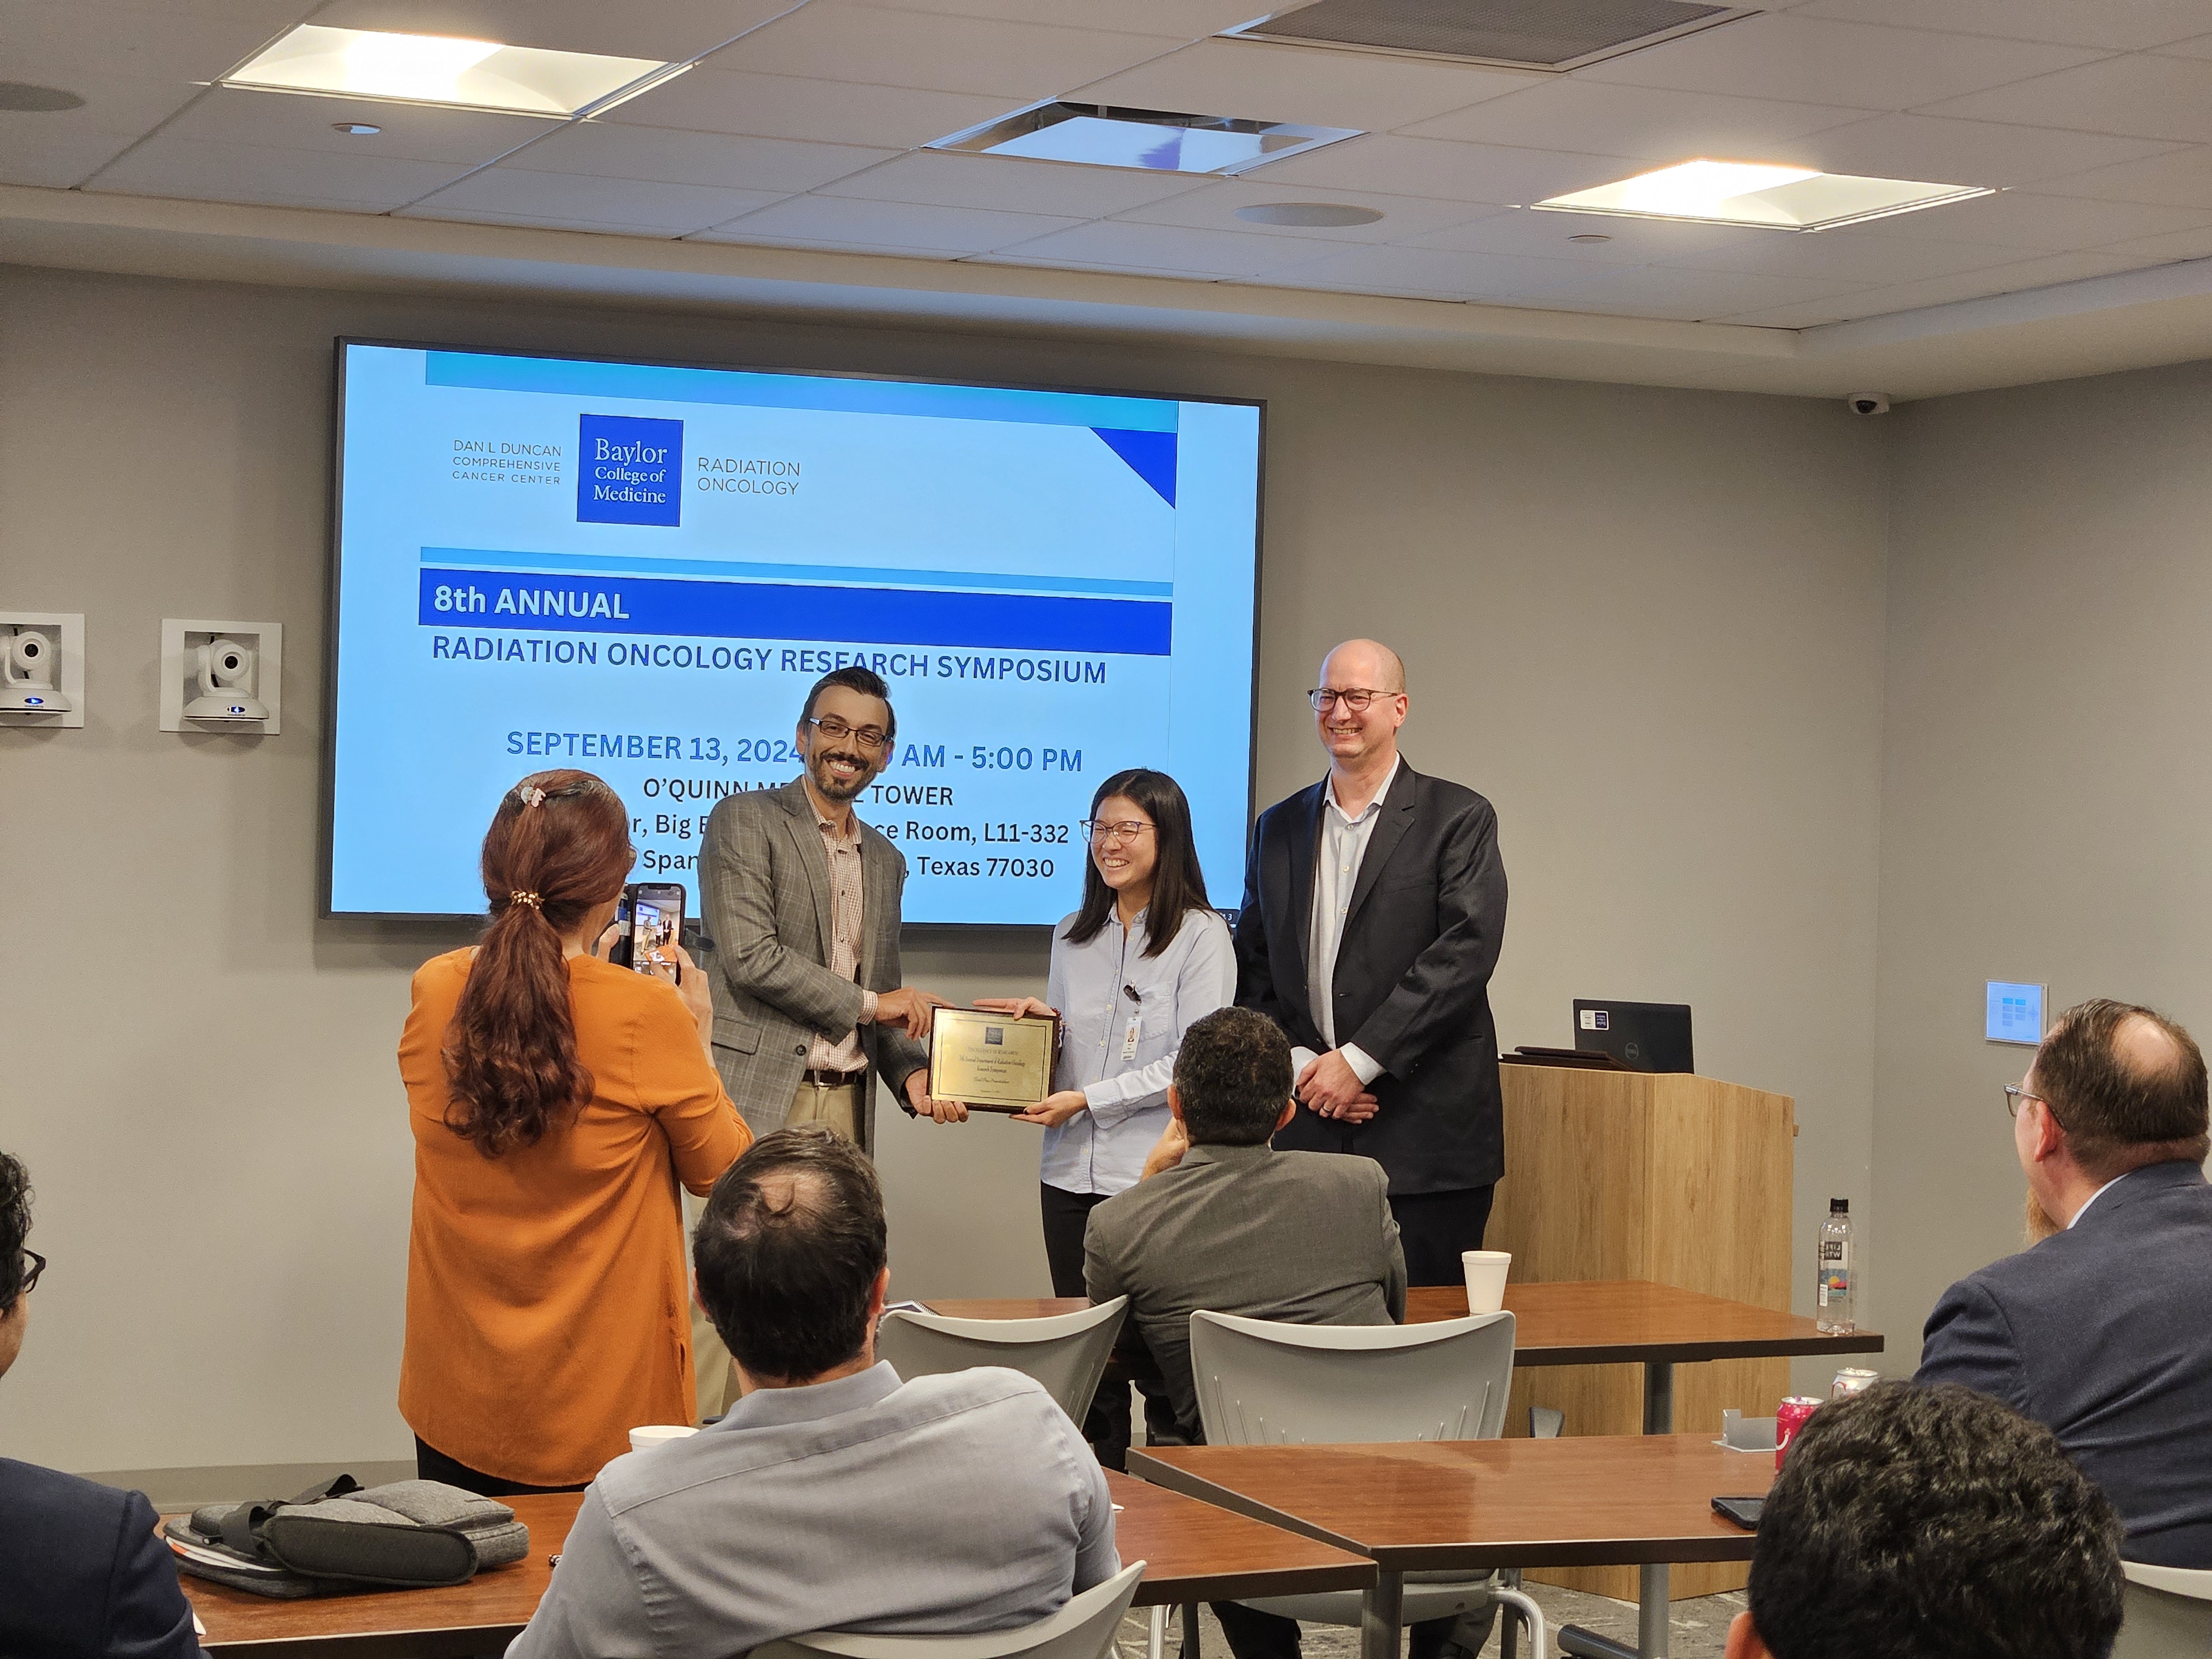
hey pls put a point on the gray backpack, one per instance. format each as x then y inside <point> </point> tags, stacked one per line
<point>337,1536</point>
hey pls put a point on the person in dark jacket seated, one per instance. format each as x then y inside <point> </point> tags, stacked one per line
<point>2103,1330</point>
<point>81,1574</point>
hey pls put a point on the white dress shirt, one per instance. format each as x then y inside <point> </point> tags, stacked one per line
<point>1339,850</point>
<point>1120,1050</point>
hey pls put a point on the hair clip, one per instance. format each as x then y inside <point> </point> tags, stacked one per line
<point>530,795</point>
<point>517,896</point>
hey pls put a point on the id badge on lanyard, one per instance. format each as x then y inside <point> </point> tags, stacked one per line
<point>1129,1035</point>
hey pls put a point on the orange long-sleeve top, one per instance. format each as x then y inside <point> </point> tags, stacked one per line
<point>547,1300</point>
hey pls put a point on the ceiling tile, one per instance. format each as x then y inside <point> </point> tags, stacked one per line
<point>1214,207</point>
<point>1128,247</point>
<point>1540,235</point>
<point>2174,245</point>
<point>796,106</point>
<point>669,31</point>
<point>576,196</point>
<point>2199,48</point>
<point>892,227</point>
<point>1653,122</point>
<point>172,46</point>
<point>836,40</point>
<point>1430,274</point>
<point>2017,218</point>
<point>2137,96</point>
<point>958,179</point>
<point>2180,178</point>
<point>412,132</point>
<point>713,158</point>
<point>1949,151</point>
<point>164,166</point>
<point>1662,291</point>
<point>1803,314</point>
<point>1819,61</point>
<point>1845,256</point>
<point>1259,81</point>
<point>2120,25</point>
<point>35,151</point>
<point>1497,174</point>
<point>532,221</point>
<point>2047,273</point>
<point>1191,19</point>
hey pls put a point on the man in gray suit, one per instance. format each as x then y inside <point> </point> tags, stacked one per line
<point>1222,1221</point>
<point>802,900</point>
<point>833,1496</point>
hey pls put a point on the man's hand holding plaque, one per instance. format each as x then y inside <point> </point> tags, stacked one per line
<point>997,1057</point>
<point>1057,1107</point>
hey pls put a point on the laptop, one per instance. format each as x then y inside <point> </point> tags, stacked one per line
<point>1644,1037</point>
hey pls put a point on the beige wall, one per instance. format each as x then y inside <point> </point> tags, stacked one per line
<point>1648,624</point>
<point>2045,800</point>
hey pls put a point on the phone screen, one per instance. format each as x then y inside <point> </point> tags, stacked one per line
<point>656,922</point>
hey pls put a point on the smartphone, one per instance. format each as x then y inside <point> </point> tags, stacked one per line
<point>1741,1511</point>
<point>655,917</point>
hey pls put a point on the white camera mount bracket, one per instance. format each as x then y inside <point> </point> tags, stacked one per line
<point>221,675</point>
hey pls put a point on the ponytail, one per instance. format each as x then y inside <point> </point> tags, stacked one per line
<point>558,846</point>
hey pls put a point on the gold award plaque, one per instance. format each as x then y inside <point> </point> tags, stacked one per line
<point>990,1062</point>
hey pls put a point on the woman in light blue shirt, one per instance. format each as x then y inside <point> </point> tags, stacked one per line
<point>1144,958</point>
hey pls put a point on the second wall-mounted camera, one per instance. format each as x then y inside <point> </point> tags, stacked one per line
<point>221,675</point>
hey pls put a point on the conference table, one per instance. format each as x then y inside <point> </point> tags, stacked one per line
<point>1476,1505</point>
<point>1192,1552</point>
<point>1588,1323</point>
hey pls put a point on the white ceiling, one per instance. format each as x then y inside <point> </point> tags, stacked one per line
<point>801,130</point>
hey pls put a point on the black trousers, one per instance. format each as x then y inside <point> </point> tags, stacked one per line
<point>431,1464</point>
<point>1106,1425</point>
<point>1433,1227</point>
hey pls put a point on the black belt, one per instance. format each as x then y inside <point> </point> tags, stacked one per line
<point>832,1080</point>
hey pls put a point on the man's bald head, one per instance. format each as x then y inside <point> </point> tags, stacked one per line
<point>2127,1085</point>
<point>1365,662</point>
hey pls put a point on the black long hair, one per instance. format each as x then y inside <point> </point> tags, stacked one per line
<point>1178,884</point>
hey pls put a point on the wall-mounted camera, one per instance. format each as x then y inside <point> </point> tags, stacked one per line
<point>41,669</point>
<point>221,675</point>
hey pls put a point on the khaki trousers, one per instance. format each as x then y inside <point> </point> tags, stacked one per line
<point>714,1376</point>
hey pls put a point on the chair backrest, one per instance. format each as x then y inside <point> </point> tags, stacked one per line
<point>1083,1629</point>
<point>1066,1353</point>
<point>1264,1383</point>
<point>2169,1612</point>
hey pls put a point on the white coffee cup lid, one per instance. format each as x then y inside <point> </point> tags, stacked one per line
<point>658,1434</point>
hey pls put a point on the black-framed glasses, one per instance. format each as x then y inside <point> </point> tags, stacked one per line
<point>2014,1094</point>
<point>33,1265</point>
<point>868,736</point>
<point>1354,697</point>
<point>1120,833</point>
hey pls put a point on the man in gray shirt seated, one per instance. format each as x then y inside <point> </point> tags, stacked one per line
<point>1222,1221</point>
<point>832,1496</point>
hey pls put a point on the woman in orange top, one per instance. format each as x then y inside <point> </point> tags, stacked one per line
<point>556,1100</point>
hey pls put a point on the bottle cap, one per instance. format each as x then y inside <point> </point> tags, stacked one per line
<point>1840,1206</point>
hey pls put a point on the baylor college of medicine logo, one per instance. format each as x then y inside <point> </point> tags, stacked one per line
<point>631,469</point>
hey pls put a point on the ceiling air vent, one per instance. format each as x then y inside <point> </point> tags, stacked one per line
<point>1541,34</point>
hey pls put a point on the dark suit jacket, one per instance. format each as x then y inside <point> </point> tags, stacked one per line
<point>1244,1230</point>
<point>764,887</point>
<point>2103,1332</point>
<point>1413,975</point>
<point>81,1574</point>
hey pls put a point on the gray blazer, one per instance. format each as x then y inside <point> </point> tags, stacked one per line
<point>764,884</point>
<point>1304,1237</point>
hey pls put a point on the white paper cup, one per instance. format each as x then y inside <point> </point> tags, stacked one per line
<point>1486,1278</point>
<point>658,1434</point>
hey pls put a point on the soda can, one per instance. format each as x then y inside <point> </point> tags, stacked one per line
<point>1852,1380</point>
<point>1789,1418</point>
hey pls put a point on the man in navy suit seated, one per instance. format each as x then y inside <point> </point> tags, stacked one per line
<point>2103,1329</point>
<point>81,1573</point>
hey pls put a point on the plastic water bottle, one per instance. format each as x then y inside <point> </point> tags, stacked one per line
<point>1832,1285</point>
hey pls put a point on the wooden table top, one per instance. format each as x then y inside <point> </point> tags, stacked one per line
<point>1586,1500</point>
<point>1192,1552</point>
<point>1595,1321</point>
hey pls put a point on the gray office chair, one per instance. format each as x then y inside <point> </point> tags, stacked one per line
<point>1066,1353</point>
<point>1263,1384</point>
<point>1083,1629</point>
<point>2169,1612</point>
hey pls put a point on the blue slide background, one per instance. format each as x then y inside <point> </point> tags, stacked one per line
<point>639,570</point>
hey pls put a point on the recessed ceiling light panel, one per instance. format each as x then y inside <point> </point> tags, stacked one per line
<point>1761,194</point>
<point>1155,140</point>
<point>433,69</point>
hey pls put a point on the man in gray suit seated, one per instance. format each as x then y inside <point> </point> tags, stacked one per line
<point>1222,1221</point>
<point>832,1496</point>
<point>2104,1329</point>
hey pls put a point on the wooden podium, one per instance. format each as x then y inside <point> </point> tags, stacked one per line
<point>1664,1176</point>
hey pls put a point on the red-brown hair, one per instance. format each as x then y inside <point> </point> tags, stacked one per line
<point>558,847</point>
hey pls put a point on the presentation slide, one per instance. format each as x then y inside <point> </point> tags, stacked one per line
<point>638,570</point>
